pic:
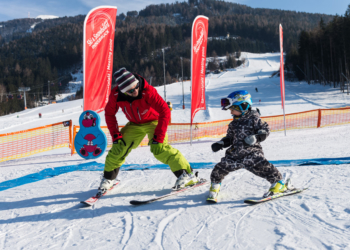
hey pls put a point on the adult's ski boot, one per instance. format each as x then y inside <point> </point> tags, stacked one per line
<point>185,180</point>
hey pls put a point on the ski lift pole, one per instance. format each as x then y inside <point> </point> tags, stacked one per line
<point>164,76</point>
<point>191,135</point>
<point>347,80</point>
<point>284,116</point>
<point>24,89</point>
<point>182,79</point>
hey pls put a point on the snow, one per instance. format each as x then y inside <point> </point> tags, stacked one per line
<point>43,17</point>
<point>47,213</point>
<point>47,17</point>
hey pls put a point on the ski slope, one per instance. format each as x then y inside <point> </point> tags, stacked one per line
<point>46,214</point>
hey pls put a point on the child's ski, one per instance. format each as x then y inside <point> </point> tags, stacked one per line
<point>288,192</point>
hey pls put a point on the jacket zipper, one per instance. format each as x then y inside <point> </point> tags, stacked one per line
<point>138,113</point>
<point>126,112</point>
<point>132,112</point>
<point>128,149</point>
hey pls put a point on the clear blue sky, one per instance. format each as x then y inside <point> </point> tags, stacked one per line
<point>13,9</point>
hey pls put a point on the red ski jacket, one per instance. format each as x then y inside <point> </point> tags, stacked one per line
<point>146,107</point>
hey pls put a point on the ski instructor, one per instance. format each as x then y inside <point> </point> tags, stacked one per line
<point>148,114</point>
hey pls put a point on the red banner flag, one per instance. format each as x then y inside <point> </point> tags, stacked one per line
<point>99,29</point>
<point>282,67</point>
<point>198,63</point>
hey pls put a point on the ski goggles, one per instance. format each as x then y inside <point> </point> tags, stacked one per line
<point>226,103</point>
<point>130,91</point>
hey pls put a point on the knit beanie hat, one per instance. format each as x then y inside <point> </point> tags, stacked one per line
<point>125,80</point>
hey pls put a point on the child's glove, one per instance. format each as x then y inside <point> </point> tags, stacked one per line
<point>250,140</point>
<point>261,136</point>
<point>217,146</point>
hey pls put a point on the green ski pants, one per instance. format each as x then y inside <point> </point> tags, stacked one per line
<point>133,134</point>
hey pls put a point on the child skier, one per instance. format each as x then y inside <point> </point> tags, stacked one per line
<point>243,138</point>
<point>148,114</point>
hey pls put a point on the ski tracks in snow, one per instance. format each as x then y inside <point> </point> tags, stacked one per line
<point>129,228</point>
<point>339,234</point>
<point>162,225</point>
<point>243,209</point>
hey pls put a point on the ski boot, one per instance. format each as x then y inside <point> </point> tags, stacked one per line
<point>289,185</point>
<point>105,185</point>
<point>277,187</point>
<point>186,180</point>
<point>214,192</point>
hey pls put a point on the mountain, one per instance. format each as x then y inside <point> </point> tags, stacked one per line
<point>19,28</point>
<point>53,47</point>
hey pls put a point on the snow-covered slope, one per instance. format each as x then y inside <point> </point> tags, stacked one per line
<point>47,213</point>
<point>254,74</point>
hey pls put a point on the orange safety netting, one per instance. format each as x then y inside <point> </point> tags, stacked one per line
<point>181,132</point>
<point>28,142</point>
<point>33,141</point>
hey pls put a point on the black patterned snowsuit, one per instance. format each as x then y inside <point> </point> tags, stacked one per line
<point>240,155</point>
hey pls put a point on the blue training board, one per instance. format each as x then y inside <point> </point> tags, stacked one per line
<point>90,142</point>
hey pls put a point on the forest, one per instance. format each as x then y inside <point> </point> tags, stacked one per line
<point>322,55</point>
<point>44,58</point>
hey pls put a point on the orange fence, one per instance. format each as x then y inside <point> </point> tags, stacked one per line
<point>177,132</point>
<point>28,142</point>
<point>37,140</point>
<point>309,119</point>
<point>180,132</point>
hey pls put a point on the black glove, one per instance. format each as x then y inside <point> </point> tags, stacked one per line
<point>261,136</point>
<point>217,146</point>
<point>117,137</point>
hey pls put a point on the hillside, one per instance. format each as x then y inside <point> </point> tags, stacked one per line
<point>54,48</point>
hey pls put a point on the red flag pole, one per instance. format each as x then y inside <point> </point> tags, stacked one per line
<point>282,78</point>
<point>199,40</point>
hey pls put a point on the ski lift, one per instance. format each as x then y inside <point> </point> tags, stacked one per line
<point>10,96</point>
<point>19,97</point>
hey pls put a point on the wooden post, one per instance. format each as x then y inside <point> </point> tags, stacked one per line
<point>319,118</point>
<point>74,133</point>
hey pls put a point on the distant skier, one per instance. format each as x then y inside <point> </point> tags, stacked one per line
<point>148,114</point>
<point>243,138</point>
<point>256,89</point>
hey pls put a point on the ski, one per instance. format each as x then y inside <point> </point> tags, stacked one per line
<point>273,197</point>
<point>92,200</point>
<point>200,183</point>
<point>212,200</point>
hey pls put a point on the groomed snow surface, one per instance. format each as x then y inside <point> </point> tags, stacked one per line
<point>47,214</point>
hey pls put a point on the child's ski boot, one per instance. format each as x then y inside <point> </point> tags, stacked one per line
<point>214,192</point>
<point>277,187</point>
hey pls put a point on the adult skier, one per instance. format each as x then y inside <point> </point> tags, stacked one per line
<point>148,114</point>
<point>243,138</point>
